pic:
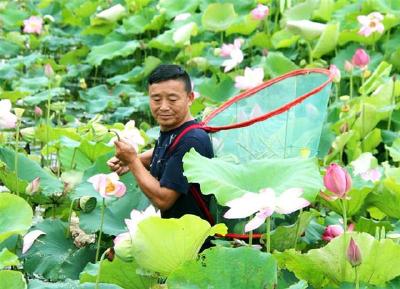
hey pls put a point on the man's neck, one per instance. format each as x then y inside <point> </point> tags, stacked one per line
<point>165,129</point>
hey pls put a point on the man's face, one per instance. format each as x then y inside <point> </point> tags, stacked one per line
<point>169,103</point>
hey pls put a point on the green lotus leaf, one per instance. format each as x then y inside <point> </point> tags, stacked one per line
<point>284,39</point>
<point>12,280</point>
<point>226,268</point>
<point>182,35</point>
<point>394,150</point>
<point>329,265</point>
<point>327,41</point>
<point>228,181</point>
<point>8,259</point>
<point>218,16</point>
<point>111,50</point>
<point>171,8</point>
<point>163,42</point>
<point>123,274</point>
<point>244,25</point>
<point>15,216</point>
<point>378,77</point>
<point>162,245</point>
<point>277,64</point>
<point>28,170</point>
<point>54,256</point>
<point>69,284</point>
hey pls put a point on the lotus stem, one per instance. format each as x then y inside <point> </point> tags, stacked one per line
<point>268,235</point>
<point>116,133</point>
<point>99,272</point>
<point>69,218</point>
<point>101,229</point>
<point>16,155</point>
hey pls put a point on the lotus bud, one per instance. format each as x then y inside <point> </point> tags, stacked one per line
<point>348,67</point>
<point>337,180</point>
<point>353,253</point>
<point>19,112</point>
<point>33,186</point>
<point>82,83</point>
<point>123,247</point>
<point>360,58</point>
<point>38,111</point>
<point>48,70</point>
<point>335,72</point>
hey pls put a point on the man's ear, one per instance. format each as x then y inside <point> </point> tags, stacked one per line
<point>191,97</point>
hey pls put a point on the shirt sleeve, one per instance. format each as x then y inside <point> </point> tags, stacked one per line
<point>173,177</point>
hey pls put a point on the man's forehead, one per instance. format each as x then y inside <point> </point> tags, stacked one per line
<point>172,85</point>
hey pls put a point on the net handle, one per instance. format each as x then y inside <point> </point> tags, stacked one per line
<point>272,113</point>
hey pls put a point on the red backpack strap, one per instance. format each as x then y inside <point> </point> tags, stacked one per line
<point>181,134</point>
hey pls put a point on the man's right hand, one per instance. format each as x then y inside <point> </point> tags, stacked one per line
<point>117,166</point>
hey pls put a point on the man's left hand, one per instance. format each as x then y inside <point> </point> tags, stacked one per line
<point>125,152</point>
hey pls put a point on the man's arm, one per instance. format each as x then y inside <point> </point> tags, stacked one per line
<point>162,198</point>
<point>116,166</point>
<point>145,158</point>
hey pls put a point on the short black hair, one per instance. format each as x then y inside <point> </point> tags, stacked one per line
<point>165,72</point>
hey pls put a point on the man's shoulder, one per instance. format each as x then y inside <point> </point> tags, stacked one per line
<point>196,138</point>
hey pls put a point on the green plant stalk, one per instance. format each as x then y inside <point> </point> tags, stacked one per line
<point>16,155</point>
<point>47,130</point>
<point>297,231</point>
<point>251,238</point>
<point>276,17</point>
<point>344,212</point>
<point>268,235</point>
<point>392,102</point>
<point>357,279</point>
<point>351,84</point>
<point>363,133</point>
<point>99,272</point>
<point>73,159</point>
<point>69,218</point>
<point>337,86</point>
<point>310,57</point>
<point>101,229</point>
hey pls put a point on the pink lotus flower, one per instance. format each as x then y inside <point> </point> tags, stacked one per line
<point>333,231</point>
<point>360,58</point>
<point>348,67</point>
<point>250,79</point>
<point>33,24</point>
<point>264,204</point>
<point>370,24</point>
<point>108,185</point>
<point>33,186</point>
<point>338,181</point>
<point>7,119</point>
<point>260,12</point>
<point>363,167</point>
<point>335,72</point>
<point>353,254</point>
<point>233,51</point>
<point>29,239</point>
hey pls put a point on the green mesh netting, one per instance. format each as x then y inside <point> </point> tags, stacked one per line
<point>294,132</point>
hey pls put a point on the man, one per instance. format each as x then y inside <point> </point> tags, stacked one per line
<point>159,172</point>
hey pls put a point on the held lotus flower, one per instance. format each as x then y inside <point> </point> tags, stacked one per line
<point>338,181</point>
<point>370,24</point>
<point>33,24</point>
<point>260,12</point>
<point>353,254</point>
<point>130,134</point>
<point>250,79</point>
<point>360,58</point>
<point>264,204</point>
<point>7,119</point>
<point>108,185</point>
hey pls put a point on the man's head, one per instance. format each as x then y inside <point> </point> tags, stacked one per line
<point>171,95</point>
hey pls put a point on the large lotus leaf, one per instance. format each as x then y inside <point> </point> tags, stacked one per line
<point>284,39</point>
<point>358,193</point>
<point>10,179</point>
<point>111,50</point>
<point>12,280</point>
<point>284,237</point>
<point>226,268</point>
<point>244,25</point>
<point>394,150</point>
<point>387,197</point>
<point>327,41</point>
<point>45,95</point>
<point>217,91</point>
<point>55,133</point>
<point>69,284</point>
<point>55,257</point>
<point>162,245</point>
<point>228,181</point>
<point>15,216</point>
<point>182,34</point>
<point>123,274</point>
<point>378,78</point>
<point>8,259</point>
<point>371,226</point>
<point>218,16</point>
<point>99,98</point>
<point>171,8</point>
<point>163,42</point>
<point>28,170</point>
<point>329,265</point>
<point>277,64</point>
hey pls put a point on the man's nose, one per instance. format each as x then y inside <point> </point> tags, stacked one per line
<point>164,105</point>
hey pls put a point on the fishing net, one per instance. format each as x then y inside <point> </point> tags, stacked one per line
<point>280,118</point>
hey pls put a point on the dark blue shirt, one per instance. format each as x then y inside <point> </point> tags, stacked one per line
<point>167,167</point>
